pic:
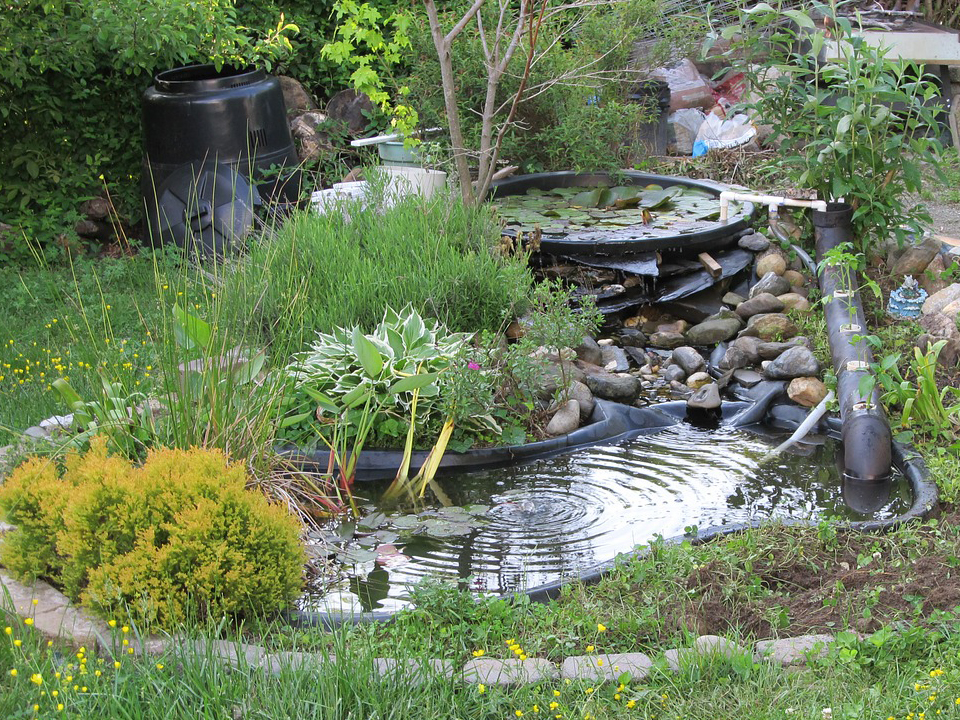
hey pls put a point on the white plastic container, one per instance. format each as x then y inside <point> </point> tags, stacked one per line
<point>403,181</point>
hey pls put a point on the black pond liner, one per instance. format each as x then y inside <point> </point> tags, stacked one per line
<point>713,238</point>
<point>613,422</point>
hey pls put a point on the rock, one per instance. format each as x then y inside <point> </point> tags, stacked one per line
<point>57,422</point>
<point>581,393</point>
<point>755,242</point>
<point>794,301</point>
<point>717,646</point>
<point>794,651</point>
<point>772,263</point>
<point>794,278</point>
<point>698,379</point>
<point>773,350</point>
<point>551,378</point>
<point>676,326</point>
<point>632,322</point>
<point>710,332</point>
<point>940,327</point>
<point>774,326</point>
<point>916,257</point>
<point>311,144</point>
<point>352,109</point>
<point>759,303</point>
<point>613,290</point>
<point>96,208</point>
<point>589,351</point>
<point>732,299</point>
<point>490,671</point>
<point>747,378</point>
<point>793,363</point>
<point>631,337</point>
<point>295,97</point>
<point>676,658</point>
<point>565,420</point>
<point>637,355</point>
<point>87,228</point>
<point>689,360</point>
<point>667,340</point>
<point>803,292</point>
<point>932,279</point>
<point>614,359</point>
<point>598,668</point>
<point>750,348</point>
<point>36,432</point>
<point>734,358</point>
<point>411,670</point>
<point>606,342</point>
<point>706,398</point>
<point>770,283</point>
<point>673,373</point>
<point>680,390</point>
<point>939,300</point>
<point>619,388</point>
<point>806,391</point>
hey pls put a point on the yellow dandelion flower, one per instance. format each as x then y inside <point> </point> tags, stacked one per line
<point>589,690</point>
<point>518,713</point>
<point>28,621</point>
<point>8,630</point>
<point>601,628</point>
<point>554,705</point>
<point>478,653</point>
<point>13,672</point>
<point>589,648</point>
<point>35,601</point>
<point>59,707</point>
<point>160,667</point>
<point>116,664</point>
<point>616,696</point>
<point>481,688</point>
<point>130,651</point>
<point>18,642</point>
<point>36,679</point>
<point>600,662</point>
<point>536,708</point>
<point>36,708</point>
<point>556,693</point>
<point>631,703</point>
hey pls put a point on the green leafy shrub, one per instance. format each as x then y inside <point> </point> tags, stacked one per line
<point>179,537</point>
<point>857,127</point>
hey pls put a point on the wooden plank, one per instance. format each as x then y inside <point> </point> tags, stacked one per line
<point>710,265</point>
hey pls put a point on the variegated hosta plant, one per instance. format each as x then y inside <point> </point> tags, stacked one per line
<point>375,374</point>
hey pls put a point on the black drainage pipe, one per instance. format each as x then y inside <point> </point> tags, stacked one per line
<point>866,433</point>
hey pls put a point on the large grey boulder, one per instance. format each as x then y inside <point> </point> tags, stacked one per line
<point>770,283</point>
<point>711,332</point>
<point>793,363</point>
<point>621,388</point>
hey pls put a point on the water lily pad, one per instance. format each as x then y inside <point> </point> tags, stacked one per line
<point>405,522</point>
<point>386,536</point>
<point>356,555</point>
<point>442,528</point>
<point>371,522</point>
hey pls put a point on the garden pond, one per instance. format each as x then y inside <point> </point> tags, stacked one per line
<point>515,529</point>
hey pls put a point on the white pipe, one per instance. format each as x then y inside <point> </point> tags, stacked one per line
<point>811,420</point>
<point>772,201</point>
<point>362,142</point>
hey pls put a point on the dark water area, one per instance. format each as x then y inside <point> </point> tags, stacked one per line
<point>544,521</point>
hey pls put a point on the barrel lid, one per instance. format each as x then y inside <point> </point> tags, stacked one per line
<point>206,78</point>
<point>207,207</point>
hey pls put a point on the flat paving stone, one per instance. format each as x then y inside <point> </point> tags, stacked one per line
<point>794,651</point>
<point>490,671</point>
<point>716,645</point>
<point>676,658</point>
<point>411,670</point>
<point>606,667</point>
<point>53,615</point>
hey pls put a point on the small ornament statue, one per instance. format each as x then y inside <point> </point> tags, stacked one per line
<point>907,299</point>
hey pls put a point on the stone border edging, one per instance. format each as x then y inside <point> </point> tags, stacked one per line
<point>53,616</point>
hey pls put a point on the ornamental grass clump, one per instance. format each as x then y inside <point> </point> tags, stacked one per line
<point>179,537</point>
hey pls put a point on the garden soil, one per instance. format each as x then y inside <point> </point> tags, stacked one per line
<point>823,589</point>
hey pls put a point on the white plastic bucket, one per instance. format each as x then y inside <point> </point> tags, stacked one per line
<point>403,181</point>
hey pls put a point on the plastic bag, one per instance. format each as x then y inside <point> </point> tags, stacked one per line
<point>686,124</point>
<point>715,132</point>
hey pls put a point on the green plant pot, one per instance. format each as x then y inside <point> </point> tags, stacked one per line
<point>394,153</point>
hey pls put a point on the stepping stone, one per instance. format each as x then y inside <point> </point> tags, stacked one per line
<point>794,651</point>
<point>606,667</point>
<point>490,671</point>
<point>676,658</point>
<point>716,645</point>
<point>411,670</point>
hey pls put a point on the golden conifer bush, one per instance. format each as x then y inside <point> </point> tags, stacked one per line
<point>179,537</point>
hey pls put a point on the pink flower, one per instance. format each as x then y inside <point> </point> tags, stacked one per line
<point>473,366</point>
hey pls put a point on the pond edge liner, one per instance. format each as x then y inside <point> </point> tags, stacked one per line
<point>925,498</point>
<point>702,241</point>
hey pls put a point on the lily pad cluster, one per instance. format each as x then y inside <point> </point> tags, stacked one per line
<point>563,210</point>
<point>373,537</point>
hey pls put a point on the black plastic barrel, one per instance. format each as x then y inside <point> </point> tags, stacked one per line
<point>233,116</point>
<point>654,95</point>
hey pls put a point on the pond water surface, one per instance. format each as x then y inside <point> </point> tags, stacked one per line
<point>517,528</point>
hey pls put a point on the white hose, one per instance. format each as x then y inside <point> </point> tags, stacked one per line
<point>811,420</point>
